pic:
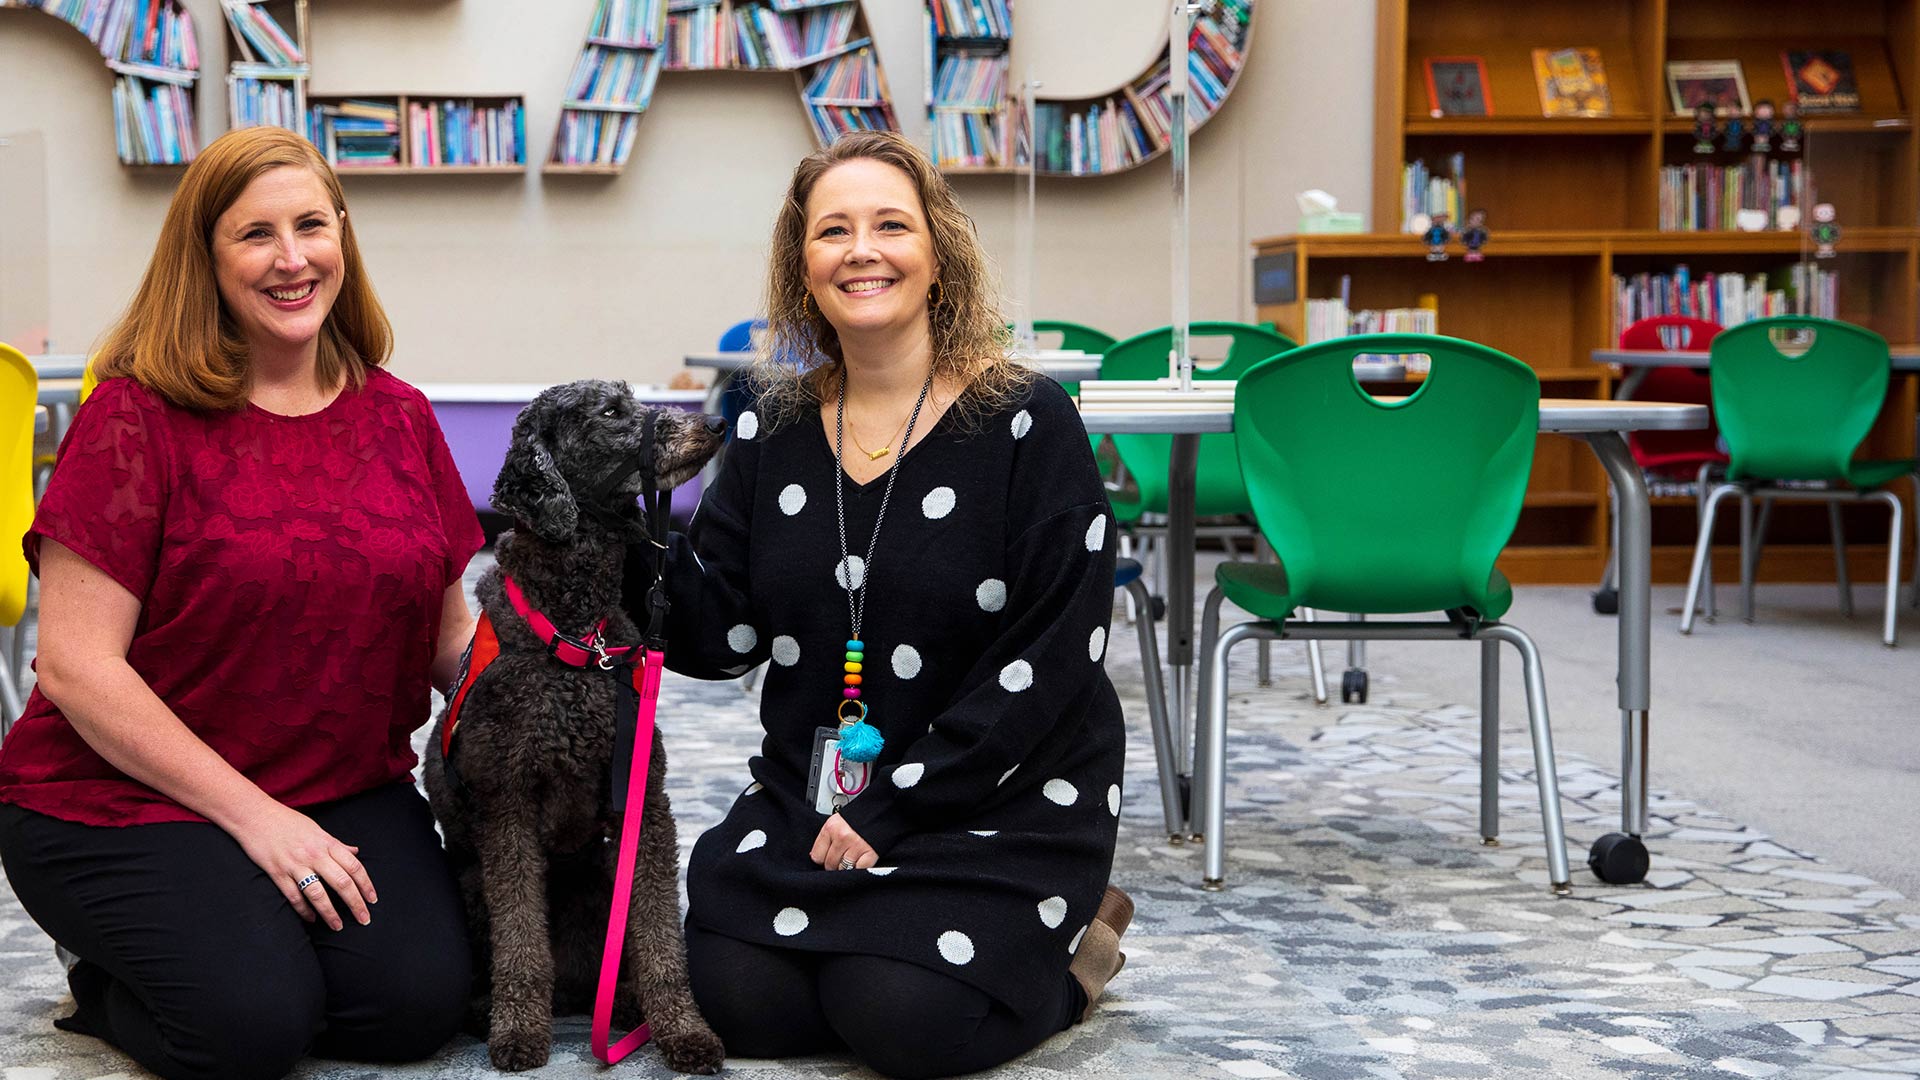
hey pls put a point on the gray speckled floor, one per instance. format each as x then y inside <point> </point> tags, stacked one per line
<point>1367,934</point>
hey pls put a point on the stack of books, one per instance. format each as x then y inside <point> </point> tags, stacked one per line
<point>260,37</point>
<point>356,133</point>
<point>698,37</point>
<point>1214,54</point>
<point>455,133</point>
<point>153,125</point>
<point>628,23</point>
<point>1708,197</point>
<point>621,79</point>
<point>151,45</point>
<point>1085,140</point>
<point>849,79</point>
<point>967,82</point>
<point>1728,299</point>
<point>834,116</point>
<point>1425,192</point>
<point>972,18</point>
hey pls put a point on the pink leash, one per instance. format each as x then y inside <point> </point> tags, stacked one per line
<point>623,873</point>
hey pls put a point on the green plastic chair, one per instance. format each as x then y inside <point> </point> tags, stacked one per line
<point>1800,417</point>
<point>1383,508</point>
<point>1074,336</point>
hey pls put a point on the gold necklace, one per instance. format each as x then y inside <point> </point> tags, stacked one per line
<point>875,455</point>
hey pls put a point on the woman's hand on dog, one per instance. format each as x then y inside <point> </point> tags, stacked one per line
<point>292,845</point>
<point>837,842</point>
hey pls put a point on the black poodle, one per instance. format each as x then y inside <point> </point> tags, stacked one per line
<point>526,803</point>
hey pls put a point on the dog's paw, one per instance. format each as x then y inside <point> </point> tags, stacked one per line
<point>516,1051</point>
<point>693,1052</point>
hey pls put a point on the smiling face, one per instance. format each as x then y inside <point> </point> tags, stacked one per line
<point>276,257</point>
<point>869,252</point>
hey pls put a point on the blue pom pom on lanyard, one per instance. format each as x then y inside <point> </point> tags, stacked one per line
<point>860,742</point>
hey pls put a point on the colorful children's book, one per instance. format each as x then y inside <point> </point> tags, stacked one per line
<point>1457,86</point>
<point>1717,83</point>
<point>1572,82</point>
<point>1821,80</point>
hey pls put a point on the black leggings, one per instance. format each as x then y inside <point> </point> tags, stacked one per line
<point>194,964</point>
<point>899,1019</point>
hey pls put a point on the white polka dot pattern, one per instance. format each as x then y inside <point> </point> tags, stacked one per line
<point>753,788</point>
<point>1074,945</point>
<point>906,661</point>
<point>881,871</point>
<point>793,499</point>
<point>753,840</point>
<point>1097,533</point>
<point>1097,644</point>
<point>742,638</point>
<point>956,947</point>
<point>1022,423</point>
<point>1004,775</point>
<point>1016,676</point>
<point>850,572</point>
<point>938,503</point>
<point>786,651</point>
<point>1053,911</point>
<point>747,426</point>
<point>909,774</point>
<point>991,594</point>
<point>1113,799</point>
<point>984,832</point>
<point>789,922</point>
<point>1061,792</point>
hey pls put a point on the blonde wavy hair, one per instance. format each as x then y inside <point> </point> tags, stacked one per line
<point>800,369</point>
<point>176,337</point>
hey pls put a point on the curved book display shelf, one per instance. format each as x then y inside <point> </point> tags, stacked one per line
<point>151,47</point>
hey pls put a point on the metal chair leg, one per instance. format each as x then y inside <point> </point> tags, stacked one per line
<point>1895,534</point>
<point>1172,809</point>
<point>1841,579</point>
<point>1746,557</point>
<point>1913,594</point>
<point>10,707</point>
<point>1209,634</point>
<point>1558,873</point>
<point>1700,489</point>
<point>1315,664</point>
<point>1263,552</point>
<point>1490,743</point>
<point>1702,552</point>
<point>1128,604</point>
<point>1210,780</point>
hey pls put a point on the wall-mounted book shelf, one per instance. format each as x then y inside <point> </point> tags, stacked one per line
<point>978,123</point>
<point>154,52</point>
<point>823,43</point>
<point>384,134</point>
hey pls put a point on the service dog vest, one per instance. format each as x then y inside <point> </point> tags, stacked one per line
<point>480,654</point>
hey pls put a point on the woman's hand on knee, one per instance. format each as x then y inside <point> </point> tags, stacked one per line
<point>310,867</point>
<point>838,847</point>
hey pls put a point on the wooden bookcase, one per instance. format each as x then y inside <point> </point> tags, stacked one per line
<point>156,64</point>
<point>1573,202</point>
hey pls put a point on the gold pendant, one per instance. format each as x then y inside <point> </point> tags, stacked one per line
<point>876,455</point>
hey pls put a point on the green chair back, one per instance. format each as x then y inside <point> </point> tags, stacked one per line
<point>1218,489</point>
<point>1074,336</point>
<point>1389,508</point>
<point>1796,417</point>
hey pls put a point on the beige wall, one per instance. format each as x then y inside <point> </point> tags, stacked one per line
<point>547,278</point>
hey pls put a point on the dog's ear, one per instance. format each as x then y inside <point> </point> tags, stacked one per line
<point>530,487</point>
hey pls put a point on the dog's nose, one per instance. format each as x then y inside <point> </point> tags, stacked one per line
<point>716,425</point>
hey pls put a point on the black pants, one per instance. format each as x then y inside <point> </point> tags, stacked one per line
<point>899,1019</point>
<point>194,964</point>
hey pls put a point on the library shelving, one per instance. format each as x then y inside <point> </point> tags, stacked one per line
<point>979,124</point>
<point>823,44</point>
<point>1574,210</point>
<point>154,52</point>
<point>267,69</point>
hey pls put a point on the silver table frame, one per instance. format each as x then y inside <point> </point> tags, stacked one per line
<point>1640,361</point>
<point>1602,425</point>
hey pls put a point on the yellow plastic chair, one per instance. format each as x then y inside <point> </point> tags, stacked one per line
<point>19,397</point>
<point>88,380</point>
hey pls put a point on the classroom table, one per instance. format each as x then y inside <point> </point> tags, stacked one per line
<point>1070,367</point>
<point>1602,425</point>
<point>1640,361</point>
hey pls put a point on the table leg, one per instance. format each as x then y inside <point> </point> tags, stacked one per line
<point>1616,858</point>
<point>1632,381</point>
<point>1181,469</point>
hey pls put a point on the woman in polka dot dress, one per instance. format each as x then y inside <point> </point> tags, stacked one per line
<point>955,912</point>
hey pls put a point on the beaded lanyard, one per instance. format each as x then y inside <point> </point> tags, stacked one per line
<point>860,741</point>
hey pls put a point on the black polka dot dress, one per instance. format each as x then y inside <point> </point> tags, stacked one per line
<point>995,802</point>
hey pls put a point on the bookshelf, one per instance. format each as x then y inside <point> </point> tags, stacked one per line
<point>979,126</point>
<point>1574,208</point>
<point>385,134</point>
<point>154,53</point>
<point>824,44</point>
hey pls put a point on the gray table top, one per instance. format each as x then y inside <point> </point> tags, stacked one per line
<point>1066,367</point>
<point>1561,416</point>
<point>59,366</point>
<point>1907,359</point>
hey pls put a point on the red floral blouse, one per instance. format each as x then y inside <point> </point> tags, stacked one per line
<point>290,571</point>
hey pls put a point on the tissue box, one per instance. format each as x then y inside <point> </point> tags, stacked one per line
<point>1337,221</point>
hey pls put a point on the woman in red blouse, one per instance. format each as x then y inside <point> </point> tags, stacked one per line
<point>250,557</point>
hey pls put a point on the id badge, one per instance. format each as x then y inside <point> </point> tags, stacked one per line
<point>832,780</point>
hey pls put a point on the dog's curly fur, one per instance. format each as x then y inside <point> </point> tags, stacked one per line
<point>526,807</point>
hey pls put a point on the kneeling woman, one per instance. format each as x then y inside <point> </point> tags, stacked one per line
<point>913,531</point>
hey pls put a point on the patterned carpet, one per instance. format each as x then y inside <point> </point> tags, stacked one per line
<point>1366,933</point>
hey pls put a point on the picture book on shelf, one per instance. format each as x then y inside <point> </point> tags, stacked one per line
<point>1572,82</point>
<point>1719,83</point>
<point>1821,80</point>
<point>1457,86</point>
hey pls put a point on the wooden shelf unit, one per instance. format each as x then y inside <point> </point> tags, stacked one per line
<point>149,89</point>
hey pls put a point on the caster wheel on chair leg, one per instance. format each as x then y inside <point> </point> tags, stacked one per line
<point>1159,608</point>
<point>1353,687</point>
<point>1618,859</point>
<point>1607,602</point>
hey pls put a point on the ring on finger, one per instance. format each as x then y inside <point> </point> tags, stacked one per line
<point>846,863</point>
<point>310,879</point>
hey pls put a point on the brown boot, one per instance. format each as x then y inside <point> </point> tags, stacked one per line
<point>1100,958</point>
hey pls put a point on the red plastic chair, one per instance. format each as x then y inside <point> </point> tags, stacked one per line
<point>1674,452</point>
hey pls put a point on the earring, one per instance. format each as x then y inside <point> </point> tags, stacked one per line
<point>806,304</point>
<point>936,295</point>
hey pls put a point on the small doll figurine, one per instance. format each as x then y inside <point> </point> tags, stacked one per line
<point>1790,128</point>
<point>1734,134</point>
<point>1704,124</point>
<point>1763,126</point>
<point>1475,234</point>
<point>1825,231</point>
<point>1436,238</point>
